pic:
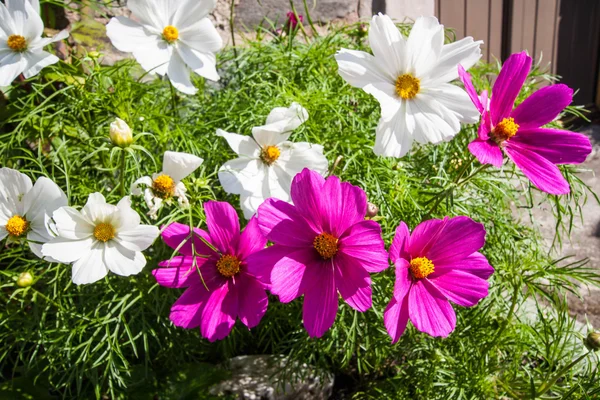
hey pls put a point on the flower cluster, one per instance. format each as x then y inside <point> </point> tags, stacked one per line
<point>325,241</point>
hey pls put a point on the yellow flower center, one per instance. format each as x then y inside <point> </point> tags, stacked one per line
<point>505,129</point>
<point>270,154</point>
<point>326,245</point>
<point>17,43</point>
<point>170,33</point>
<point>407,86</point>
<point>228,266</point>
<point>421,267</point>
<point>163,186</point>
<point>104,232</point>
<point>17,226</point>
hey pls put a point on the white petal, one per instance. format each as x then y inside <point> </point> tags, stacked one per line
<point>434,123</point>
<point>279,182</point>
<point>465,52</point>
<point>36,5</point>
<point>179,165</point>
<point>155,205</point>
<point>188,12</point>
<point>10,67</point>
<point>129,36</point>
<point>135,186</point>
<point>40,43</point>
<point>388,46</point>
<point>297,156</point>
<point>154,13</point>
<point>43,199</point>
<point>13,187</point>
<point>424,45</point>
<point>202,36</point>
<point>7,24</point>
<point>67,250</point>
<point>71,224</point>
<point>241,174</point>
<point>456,100</point>
<point>282,119</point>
<point>3,232</point>
<point>91,267</point>
<point>179,75</point>
<point>122,261</point>
<point>37,61</point>
<point>249,204</point>
<point>393,138</point>
<point>266,137</point>
<point>128,218</point>
<point>138,238</point>
<point>240,144</point>
<point>204,64</point>
<point>33,26</point>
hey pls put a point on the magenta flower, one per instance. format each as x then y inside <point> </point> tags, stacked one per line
<point>292,21</point>
<point>535,150</point>
<point>438,263</point>
<point>322,245</point>
<point>232,291</point>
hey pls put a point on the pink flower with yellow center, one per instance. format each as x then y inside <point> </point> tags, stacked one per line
<point>231,292</point>
<point>535,150</point>
<point>323,246</point>
<point>438,264</point>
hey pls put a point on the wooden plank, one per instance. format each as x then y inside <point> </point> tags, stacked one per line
<point>452,15</point>
<point>494,39</point>
<point>523,26</point>
<point>545,32</point>
<point>477,23</point>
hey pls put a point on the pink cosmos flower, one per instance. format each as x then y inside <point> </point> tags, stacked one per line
<point>535,150</point>
<point>292,20</point>
<point>438,263</point>
<point>322,245</point>
<point>232,291</point>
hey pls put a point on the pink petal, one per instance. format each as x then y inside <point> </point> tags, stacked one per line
<point>395,318</point>
<point>186,312</point>
<point>486,152</point>
<point>223,225</point>
<point>261,263</point>
<point>475,264</point>
<point>458,238</point>
<point>485,126</point>
<point>176,233</point>
<point>178,275</point>
<point>429,310</point>
<point>306,192</point>
<point>555,145</point>
<point>403,280</point>
<point>353,282</point>
<point>363,242</point>
<point>543,106</point>
<point>508,85</point>
<point>423,237</point>
<point>288,280</point>
<point>465,77</point>
<point>343,205</point>
<point>320,304</point>
<point>251,239</point>
<point>461,287</point>
<point>281,223</point>
<point>541,172</point>
<point>252,299</point>
<point>399,247</point>
<point>219,313</point>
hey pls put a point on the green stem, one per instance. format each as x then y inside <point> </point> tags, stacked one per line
<point>232,31</point>
<point>547,386</point>
<point>309,19</point>
<point>123,167</point>
<point>511,311</point>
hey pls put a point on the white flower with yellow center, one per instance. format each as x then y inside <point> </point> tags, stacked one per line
<point>26,209</point>
<point>170,37</point>
<point>21,42</point>
<point>267,161</point>
<point>163,187</point>
<point>410,79</point>
<point>100,238</point>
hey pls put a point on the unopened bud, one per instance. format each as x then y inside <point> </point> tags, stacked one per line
<point>372,210</point>
<point>592,341</point>
<point>25,279</point>
<point>94,54</point>
<point>120,133</point>
<point>363,29</point>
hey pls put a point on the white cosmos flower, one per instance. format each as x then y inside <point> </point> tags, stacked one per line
<point>267,161</point>
<point>21,42</point>
<point>170,37</point>
<point>166,185</point>
<point>26,209</point>
<point>100,238</point>
<point>410,79</point>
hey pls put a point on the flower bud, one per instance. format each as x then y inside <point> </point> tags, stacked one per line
<point>372,210</point>
<point>362,31</point>
<point>120,133</point>
<point>25,279</point>
<point>592,341</point>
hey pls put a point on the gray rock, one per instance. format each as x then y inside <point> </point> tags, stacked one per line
<point>266,377</point>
